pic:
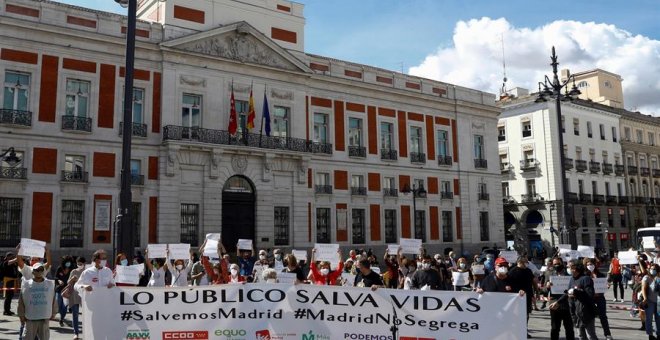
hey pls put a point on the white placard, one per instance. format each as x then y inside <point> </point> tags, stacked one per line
<point>288,278</point>
<point>214,236</point>
<point>244,244</point>
<point>157,251</point>
<point>648,242</point>
<point>375,269</point>
<point>533,268</point>
<point>102,215</point>
<point>564,246</point>
<point>478,269</point>
<point>559,284</point>
<point>600,285</point>
<point>410,245</point>
<point>301,255</point>
<point>460,279</point>
<point>586,251</point>
<point>32,248</point>
<point>347,279</point>
<point>327,252</point>
<point>127,274</point>
<point>393,249</point>
<point>570,255</point>
<point>628,257</point>
<point>543,269</point>
<point>140,267</point>
<point>211,248</point>
<point>510,256</point>
<point>179,251</point>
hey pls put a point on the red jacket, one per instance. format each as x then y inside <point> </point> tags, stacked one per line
<point>330,279</point>
<point>215,279</point>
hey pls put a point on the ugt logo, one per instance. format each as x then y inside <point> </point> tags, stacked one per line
<point>263,335</point>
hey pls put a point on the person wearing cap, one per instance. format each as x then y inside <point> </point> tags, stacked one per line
<point>26,271</point>
<point>246,260</point>
<point>9,273</point>
<point>499,280</point>
<point>97,275</point>
<point>234,275</point>
<point>36,303</point>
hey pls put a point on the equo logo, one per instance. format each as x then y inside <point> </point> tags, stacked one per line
<point>230,332</point>
<point>186,335</point>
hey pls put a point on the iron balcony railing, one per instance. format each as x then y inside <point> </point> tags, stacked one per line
<point>640,200</point>
<point>210,136</point>
<point>75,176</point>
<point>323,189</point>
<point>480,163</point>
<point>599,199</point>
<point>390,192</point>
<point>444,160</point>
<point>15,117</point>
<point>585,198</point>
<point>610,199</point>
<point>580,165</point>
<point>607,168</point>
<point>417,157</point>
<point>594,167</point>
<point>506,168</point>
<point>529,164</point>
<point>75,123</point>
<point>484,196</point>
<point>572,197</point>
<point>632,170</point>
<point>137,179</point>
<point>508,200</point>
<point>656,173</point>
<point>643,171</point>
<point>359,191</point>
<point>624,200</point>
<point>446,195</point>
<point>357,151</point>
<point>139,129</point>
<point>619,169</point>
<point>568,163</point>
<point>13,173</point>
<point>531,198</point>
<point>388,154</point>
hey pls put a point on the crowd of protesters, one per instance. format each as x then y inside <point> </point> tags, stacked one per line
<point>575,309</point>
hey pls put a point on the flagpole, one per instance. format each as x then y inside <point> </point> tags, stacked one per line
<point>261,128</point>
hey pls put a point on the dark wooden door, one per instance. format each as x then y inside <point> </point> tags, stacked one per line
<point>237,219</point>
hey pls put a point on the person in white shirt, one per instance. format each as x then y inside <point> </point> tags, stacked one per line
<point>36,303</point>
<point>157,269</point>
<point>26,271</point>
<point>178,271</point>
<point>96,276</point>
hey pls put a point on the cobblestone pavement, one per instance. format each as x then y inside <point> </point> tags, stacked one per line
<point>621,324</point>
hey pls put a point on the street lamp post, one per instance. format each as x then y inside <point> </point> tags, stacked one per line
<point>125,235</point>
<point>552,228</point>
<point>552,88</point>
<point>417,192</point>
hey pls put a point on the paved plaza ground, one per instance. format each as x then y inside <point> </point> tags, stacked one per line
<point>621,324</point>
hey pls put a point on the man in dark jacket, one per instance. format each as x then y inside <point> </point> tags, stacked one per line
<point>582,305</point>
<point>559,309</point>
<point>522,278</point>
<point>9,273</point>
<point>426,277</point>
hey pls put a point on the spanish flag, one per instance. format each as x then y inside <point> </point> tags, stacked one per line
<point>251,113</point>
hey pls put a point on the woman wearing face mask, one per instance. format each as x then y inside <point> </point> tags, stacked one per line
<point>234,275</point>
<point>407,268</point>
<point>462,267</point>
<point>61,280</point>
<point>650,288</point>
<point>74,298</point>
<point>121,260</point>
<point>322,275</point>
<point>179,272</point>
<point>599,298</point>
<point>157,268</point>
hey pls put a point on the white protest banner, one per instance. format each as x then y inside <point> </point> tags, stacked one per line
<point>510,256</point>
<point>32,248</point>
<point>586,251</point>
<point>460,279</point>
<point>327,252</point>
<point>564,246</point>
<point>127,274</point>
<point>157,251</point>
<point>628,257</point>
<point>244,244</point>
<point>347,279</point>
<point>301,255</point>
<point>410,245</point>
<point>179,251</point>
<point>648,242</point>
<point>211,248</point>
<point>559,284</point>
<point>393,249</point>
<point>288,278</point>
<point>600,285</point>
<point>282,311</point>
<point>478,269</point>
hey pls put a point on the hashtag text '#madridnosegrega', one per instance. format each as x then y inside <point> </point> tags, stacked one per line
<point>231,313</point>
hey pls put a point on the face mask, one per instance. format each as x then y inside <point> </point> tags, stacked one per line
<point>325,271</point>
<point>426,266</point>
<point>38,274</point>
<point>216,272</point>
<point>103,263</point>
<point>653,272</point>
<point>453,256</point>
<point>234,272</point>
<point>559,267</point>
<point>502,270</point>
<point>179,266</point>
<point>124,262</point>
<point>278,257</point>
<point>67,265</point>
<point>262,257</point>
<point>81,265</point>
<point>462,265</point>
<point>569,271</point>
<point>155,264</point>
<point>591,268</point>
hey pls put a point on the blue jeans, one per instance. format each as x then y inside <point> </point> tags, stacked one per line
<point>61,306</point>
<point>652,312</point>
<point>75,309</point>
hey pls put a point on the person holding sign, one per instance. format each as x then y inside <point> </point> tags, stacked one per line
<point>179,272</point>
<point>650,288</point>
<point>322,275</point>
<point>234,275</point>
<point>601,304</point>
<point>293,267</point>
<point>157,268</point>
<point>427,277</point>
<point>26,271</point>
<point>121,260</point>
<point>245,259</point>
<point>367,277</point>
<point>559,309</point>
<point>463,270</point>
<point>392,261</point>
<point>499,281</point>
<point>98,275</point>
<point>36,303</point>
<point>215,273</point>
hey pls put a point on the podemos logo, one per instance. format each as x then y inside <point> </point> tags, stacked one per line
<point>137,334</point>
<point>263,335</point>
<point>186,335</point>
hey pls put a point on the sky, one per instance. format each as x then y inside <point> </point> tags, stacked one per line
<point>465,42</point>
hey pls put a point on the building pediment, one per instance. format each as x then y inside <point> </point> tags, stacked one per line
<point>239,42</point>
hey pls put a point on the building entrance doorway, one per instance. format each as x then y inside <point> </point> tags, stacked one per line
<point>238,212</point>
